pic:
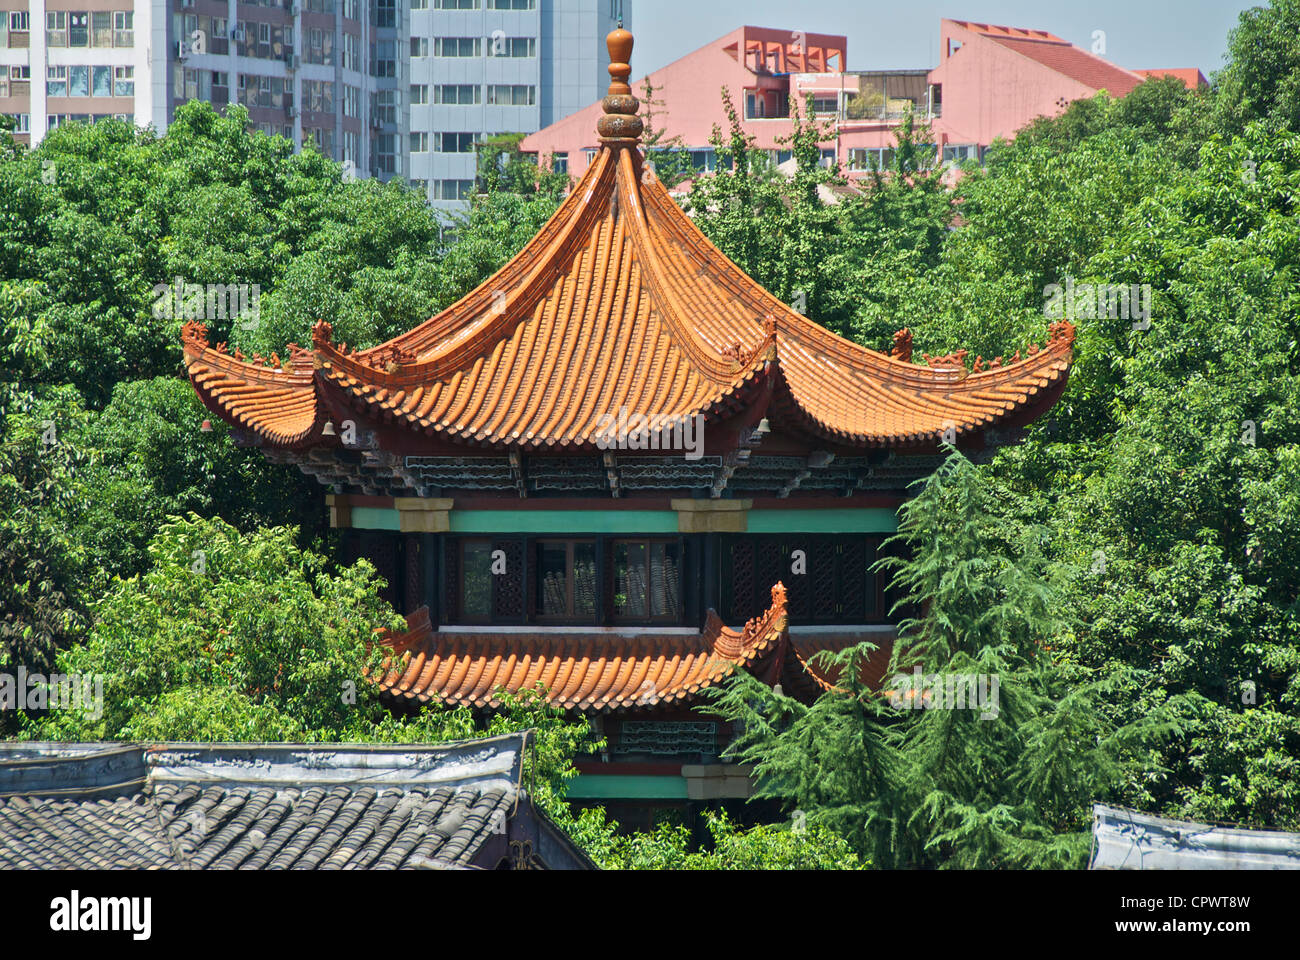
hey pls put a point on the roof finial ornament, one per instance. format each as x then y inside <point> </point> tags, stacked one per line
<point>620,124</point>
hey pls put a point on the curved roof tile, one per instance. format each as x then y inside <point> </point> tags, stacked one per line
<point>587,672</point>
<point>621,301</point>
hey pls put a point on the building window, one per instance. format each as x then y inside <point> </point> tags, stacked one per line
<point>124,28</point>
<point>456,47</point>
<point>419,142</point>
<point>511,95</point>
<point>458,93</point>
<point>565,579</point>
<point>512,4</point>
<point>351,101</point>
<point>384,150</point>
<point>351,51</point>
<point>385,13</point>
<point>647,584</point>
<point>838,587</point>
<point>78,29</point>
<point>324,140</point>
<point>419,47</point>
<point>455,5</point>
<point>350,8</point>
<point>453,142</point>
<point>383,58</point>
<point>22,122</point>
<point>826,105</point>
<point>871,158</point>
<point>704,159</point>
<point>56,81</point>
<point>124,81</point>
<point>452,189</point>
<point>78,81</point>
<point>56,28</point>
<point>320,46</point>
<point>560,163</point>
<point>101,81</point>
<point>19,22</point>
<point>20,71</point>
<point>318,95</point>
<point>101,29</point>
<point>959,152</point>
<point>499,46</point>
<point>383,106</point>
<point>476,580</point>
<point>419,94</point>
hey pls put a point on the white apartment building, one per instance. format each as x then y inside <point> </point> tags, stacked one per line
<point>391,88</point>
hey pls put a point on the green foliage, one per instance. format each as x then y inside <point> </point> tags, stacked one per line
<point>779,230</point>
<point>1262,79</point>
<point>41,560</point>
<point>503,168</point>
<point>670,155</point>
<point>1008,784</point>
<point>730,846</point>
<point>247,622</point>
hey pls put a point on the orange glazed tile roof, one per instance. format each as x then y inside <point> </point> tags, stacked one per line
<point>587,672</point>
<point>620,302</point>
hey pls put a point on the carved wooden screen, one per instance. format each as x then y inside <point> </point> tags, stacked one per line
<point>827,577</point>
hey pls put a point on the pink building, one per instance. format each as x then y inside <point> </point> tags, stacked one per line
<point>991,82</point>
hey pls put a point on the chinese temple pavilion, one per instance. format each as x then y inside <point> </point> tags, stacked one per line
<point>582,472</point>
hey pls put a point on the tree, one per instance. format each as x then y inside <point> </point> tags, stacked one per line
<point>42,562</point>
<point>1262,79</point>
<point>779,230</point>
<point>668,154</point>
<point>504,168</point>
<point>918,776</point>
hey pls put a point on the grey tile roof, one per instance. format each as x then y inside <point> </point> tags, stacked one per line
<point>270,806</point>
<point>1129,840</point>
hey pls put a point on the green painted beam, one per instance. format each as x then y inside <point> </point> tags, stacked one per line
<point>846,520</point>
<point>607,786</point>
<point>375,518</point>
<point>560,522</point>
<point>541,520</point>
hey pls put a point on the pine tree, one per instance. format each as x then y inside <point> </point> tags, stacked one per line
<point>907,776</point>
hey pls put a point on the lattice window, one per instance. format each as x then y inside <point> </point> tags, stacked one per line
<point>508,588</point>
<point>822,580</point>
<point>664,738</point>
<point>741,580</point>
<point>381,550</point>
<point>837,587</point>
<point>414,573</point>
<point>854,559</point>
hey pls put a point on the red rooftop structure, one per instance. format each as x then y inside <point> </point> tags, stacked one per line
<point>991,81</point>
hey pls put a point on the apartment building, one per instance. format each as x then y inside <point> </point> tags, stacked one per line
<point>482,67</point>
<point>328,71</point>
<point>389,88</point>
<point>991,81</point>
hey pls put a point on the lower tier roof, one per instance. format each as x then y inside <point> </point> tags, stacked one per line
<point>606,673</point>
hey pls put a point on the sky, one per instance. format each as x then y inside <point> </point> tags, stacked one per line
<point>905,33</point>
